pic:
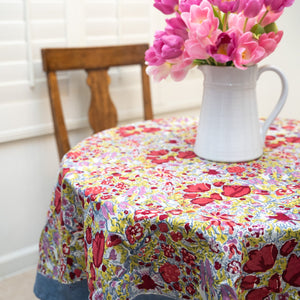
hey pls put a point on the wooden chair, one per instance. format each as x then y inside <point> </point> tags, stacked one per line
<point>95,61</point>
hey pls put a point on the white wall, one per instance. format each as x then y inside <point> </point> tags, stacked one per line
<point>28,157</point>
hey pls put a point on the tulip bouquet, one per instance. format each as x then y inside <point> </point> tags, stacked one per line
<point>237,33</point>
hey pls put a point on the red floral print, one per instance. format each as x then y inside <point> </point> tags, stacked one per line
<point>216,196</point>
<point>256,230</point>
<point>170,273</point>
<point>134,233</point>
<point>92,272</point>
<point>163,227</point>
<point>66,249</point>
<point>88,235</point>
<point>94,191</point>
<point>186,154</point>
<point>158,157</point>
<point>212,172</point>
<point>188,257</point>
<point>187,227</point>
<point>98,248</point>
<point>202,201</point>
<point>62,174</point>
<point>162,160</point>
<point>162,238</point>
<point>261,260</point>
<point>142,214</point>
<point>234,267</point>
<point>258,294</point>
<point>148,283</point>
<point>177,286</point>
<point>236,191</point>
<point>191,289</point>
<point>236,169</point>
<point>57,199</point>
<point>249,282</point>
<point>282,217</point>
<point>175,212</point>
<point>74,154</point>
<point>127,131</point>
<point>217,265</point>
<point>158,153</point>
<point>293,139</point>
<point>151,129</point>
<point>270,137</point>
<point>190,141</point>
<point>288,247</point>
<point>113,240</point>
<point>219,219</point>
<point>176,236</point>
<point>198,188</point>
<point>274,145</point>
<point>168,250</point>
<point>291,274</point>
<point>218,183</point>
<point>274,283</point>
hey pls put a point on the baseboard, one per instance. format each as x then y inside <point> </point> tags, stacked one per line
<point>17,261</point>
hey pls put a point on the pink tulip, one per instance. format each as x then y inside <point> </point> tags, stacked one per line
<point>227,5</point>
<point>176,26</point>
<point>248,51</point>
<point>159,72</point>
<point>185,5</point>
<point>166,6</point>
<point>200,21</point>
<point>225,47</point>
<point>269,41</point>
<point>172,46</point>
<point>237,22</point>
<point>277,5</point>
<point>152,58</point>
<point>269,18</point>
<point>176,68</point>
<point>165,46</point>
<point>180,69</point>
<point>202,28</point>
<point>251,8</point>
<point>153,54</point>
<point>197,48</point>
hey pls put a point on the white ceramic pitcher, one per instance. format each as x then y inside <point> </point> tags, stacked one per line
<point>229,129</point>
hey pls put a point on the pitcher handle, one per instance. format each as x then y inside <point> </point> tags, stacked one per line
<point>282,99</point>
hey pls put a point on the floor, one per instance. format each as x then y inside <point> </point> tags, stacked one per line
<point>18,287</point>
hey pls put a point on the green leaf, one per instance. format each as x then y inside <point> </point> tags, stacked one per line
<point>272,27</point>
<point>218,15</point>
<point>200,62</point>
<point>230,64</point>
<point>257,30</point>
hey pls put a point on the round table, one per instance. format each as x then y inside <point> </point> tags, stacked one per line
<point>136,212</point>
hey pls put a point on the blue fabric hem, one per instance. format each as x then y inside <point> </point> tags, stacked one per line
<point>152,297</point>
<point>49,289</point>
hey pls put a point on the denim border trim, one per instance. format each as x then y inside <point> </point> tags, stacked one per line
<point>49,289</point>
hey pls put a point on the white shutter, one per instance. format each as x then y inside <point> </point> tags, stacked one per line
<point>101,22</point>
<point>25,27</point>
<point>134,21</point>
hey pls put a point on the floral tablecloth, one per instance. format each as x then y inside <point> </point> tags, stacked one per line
<point>135,211</point>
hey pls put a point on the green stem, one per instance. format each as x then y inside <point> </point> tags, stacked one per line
<point>225,17</point>
<point>262,18</point>
<point>219,13</point>
<point>245,24</point>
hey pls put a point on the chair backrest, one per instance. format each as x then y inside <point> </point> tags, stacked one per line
<point>95,61</point>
